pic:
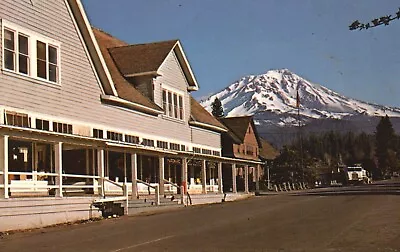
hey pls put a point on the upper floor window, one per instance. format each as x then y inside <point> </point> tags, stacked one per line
<point>16,51</point>
<point>206,151</point>
<point>196,150</point>
<point>17,119</point>
<point>162,144</point>
<point>62,128</point>
<point>114,136</point>
<point>249,150</point>
<point>131,139</point>
<point>148,142</point>
<point>42,124</point>
<point>174,146</point>
<point>30,54</point>
<point>47,61</point>
<point>97,133</point>
<point>216,153</point>
<point>172,104</point>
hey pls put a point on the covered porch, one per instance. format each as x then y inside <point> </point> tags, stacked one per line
<point>35,163</point>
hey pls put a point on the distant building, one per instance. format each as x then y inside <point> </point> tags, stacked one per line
<point>241,142</point>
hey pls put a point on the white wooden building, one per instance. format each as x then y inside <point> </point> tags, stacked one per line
<point>85,115</point>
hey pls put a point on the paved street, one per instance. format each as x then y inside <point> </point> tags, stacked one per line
<point>321,222</point>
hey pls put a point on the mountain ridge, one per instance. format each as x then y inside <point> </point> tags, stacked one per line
<point>275,91</point>
<point>271,99</point>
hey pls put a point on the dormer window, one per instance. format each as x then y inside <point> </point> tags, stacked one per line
<point>30,54</point>
<point>172,104</point>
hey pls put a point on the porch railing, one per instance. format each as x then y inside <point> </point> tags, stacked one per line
<point>39,183</point>
<point>156,189</point>
<point>124,188</point>
<point>180,188</point>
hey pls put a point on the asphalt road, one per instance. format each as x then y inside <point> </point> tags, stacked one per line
<point>321,222</point>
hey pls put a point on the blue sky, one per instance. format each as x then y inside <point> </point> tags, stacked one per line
<point>227,39</point>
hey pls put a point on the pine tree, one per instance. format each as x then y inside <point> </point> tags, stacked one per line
<point>217,109</point>
<point>384,143</point>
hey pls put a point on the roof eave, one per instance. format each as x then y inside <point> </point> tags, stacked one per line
<point>208,126</point>
<point>94,51</point>
<point>151,73</point>
<point>193,85</point>
<point>129,104</point>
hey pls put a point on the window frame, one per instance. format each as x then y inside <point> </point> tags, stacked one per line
<point>32,58</point>
<point>173,104</point>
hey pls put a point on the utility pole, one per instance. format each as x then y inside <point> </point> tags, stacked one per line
<point>300,136</point>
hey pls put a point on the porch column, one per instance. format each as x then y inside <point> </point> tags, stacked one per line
<point>220,177</point>
<point>134,175</point>
<point>246,179</point>
<point>203,176</point>
<point>87,164</point>
<point>4,166</point>
<point>87,161</point>
<point>234,187</point>
<point>258,172</point>
<point>161,172</point>
<point>58,168</point>
<point>125,172</point>
<point>185,174</point>
<point>100,167</point>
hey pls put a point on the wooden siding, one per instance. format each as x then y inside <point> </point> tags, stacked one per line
<point>205,137</point>
<point>172,76</point>
<point>78,96</point>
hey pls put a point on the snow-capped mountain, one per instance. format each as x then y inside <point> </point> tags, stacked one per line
<point>274,93</point>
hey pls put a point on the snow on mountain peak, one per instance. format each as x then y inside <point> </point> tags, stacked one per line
<point>276,90</point>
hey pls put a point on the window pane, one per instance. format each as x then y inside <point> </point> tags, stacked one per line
<point>41,69</point>
<point>39,124</point>
<point>46,125</point>
<point>41,50</point>
<point>175,106</point>
<point>52,73</point>
<point>9,60</point>
<point>180,107</point>
<point>169,104</point>
<point>164,101</point>
<point>10,119</point>
<point>23,44</point>
<point>53,55</point>
<point>18,121</point>
<point>41,60</point>
<point>9,39</point>
<point>23,64</point>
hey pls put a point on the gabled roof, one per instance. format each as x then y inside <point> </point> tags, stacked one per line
<point>142,58</point>
<point>238,127</point>
<point>267,151</point>
<point>200,117</point>
<point>146,59</point>
<point>125,89</point>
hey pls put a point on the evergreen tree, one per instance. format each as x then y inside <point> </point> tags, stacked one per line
<point>217,109</point>
<point>384,143</point>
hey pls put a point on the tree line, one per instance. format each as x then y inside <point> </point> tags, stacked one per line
<point>307,158</point>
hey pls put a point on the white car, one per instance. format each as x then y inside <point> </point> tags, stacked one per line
<point>357,174</point>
